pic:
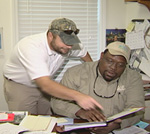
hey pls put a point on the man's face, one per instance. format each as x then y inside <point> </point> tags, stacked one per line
<point>58,46</point>
<point>111,66</point>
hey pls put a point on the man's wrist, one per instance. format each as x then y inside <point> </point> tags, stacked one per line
<point>77,114</point>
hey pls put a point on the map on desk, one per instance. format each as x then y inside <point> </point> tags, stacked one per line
<point>101,124</point>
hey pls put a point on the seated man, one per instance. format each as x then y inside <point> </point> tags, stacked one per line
<point>111,82</point>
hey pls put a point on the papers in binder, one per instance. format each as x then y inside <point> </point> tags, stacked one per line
<point>101,124</point>
<point>83,125</point>
<point>124,113</point>
<point>131,130</point>
<point>64,121</point>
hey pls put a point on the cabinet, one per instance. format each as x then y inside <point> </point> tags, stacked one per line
<point>144,2</point>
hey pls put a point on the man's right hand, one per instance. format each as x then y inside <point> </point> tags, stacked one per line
<point>90,115</point>
<point>86,102</point>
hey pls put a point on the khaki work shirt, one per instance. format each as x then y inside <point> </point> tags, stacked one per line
<point>129,92</point>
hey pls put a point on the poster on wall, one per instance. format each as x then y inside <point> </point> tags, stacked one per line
<point>115,35</point>
<point>1,41</point>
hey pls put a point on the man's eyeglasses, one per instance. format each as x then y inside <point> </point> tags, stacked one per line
<point>106,97</point>
<point>71,31</point>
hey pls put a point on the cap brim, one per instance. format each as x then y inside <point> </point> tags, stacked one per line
<point>71,40</point>
<point>114,52</point>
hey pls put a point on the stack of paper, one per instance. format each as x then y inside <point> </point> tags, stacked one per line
<point>39,123</point>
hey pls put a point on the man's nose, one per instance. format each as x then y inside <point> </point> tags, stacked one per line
<point>114,65</point>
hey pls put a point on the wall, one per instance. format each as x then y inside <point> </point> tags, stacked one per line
<point>118,15</point>
<point>6,23</point>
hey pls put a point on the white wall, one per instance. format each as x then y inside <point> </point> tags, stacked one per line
<point>6,24</point>
<point>118,15</point>
<point>115,14</point>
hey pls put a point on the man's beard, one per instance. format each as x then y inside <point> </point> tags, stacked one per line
<point>57,49</point>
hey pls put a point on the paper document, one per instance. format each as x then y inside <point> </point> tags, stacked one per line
<point>130,26</point>
<point>124,113</point>
<point>83,125</point>
<point>131,130</point>
<point>64,121</point>
<point>8,128</point>
<point>101,124</point>
<point>142,26</point>
<point>39,123</point>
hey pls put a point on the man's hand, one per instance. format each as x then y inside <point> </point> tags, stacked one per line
<point>86,101</point>
<point>90,115</point>
<point>110,127</point>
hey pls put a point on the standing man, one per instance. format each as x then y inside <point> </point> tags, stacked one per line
<point>35,59</point>
<point>109,81</point>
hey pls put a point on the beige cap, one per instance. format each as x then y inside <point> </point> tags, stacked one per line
<point>119,48</point>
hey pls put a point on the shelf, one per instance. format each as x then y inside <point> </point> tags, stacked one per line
<point>144,2</point>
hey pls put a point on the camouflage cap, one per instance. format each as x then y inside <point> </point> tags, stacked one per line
<point>62,24</point>
<point>60,27</point>
<point>119,48</point>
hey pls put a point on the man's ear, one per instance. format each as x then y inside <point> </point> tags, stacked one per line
<point>102,55</point>
<point>50,36</point>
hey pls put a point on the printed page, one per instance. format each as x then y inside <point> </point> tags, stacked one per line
<point>83,125</point>
<point>124,113</point>
<point>8,128</point>
<point>39,123</point>
<point>64,121</point>
<point>131,130</point>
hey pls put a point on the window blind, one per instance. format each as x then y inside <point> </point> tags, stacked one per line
<point>34,16</point>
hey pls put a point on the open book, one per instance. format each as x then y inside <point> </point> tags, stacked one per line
<point>124,113</point>
<point>101,124</point>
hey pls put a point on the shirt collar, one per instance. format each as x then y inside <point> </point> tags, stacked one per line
<point>50,52</point>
